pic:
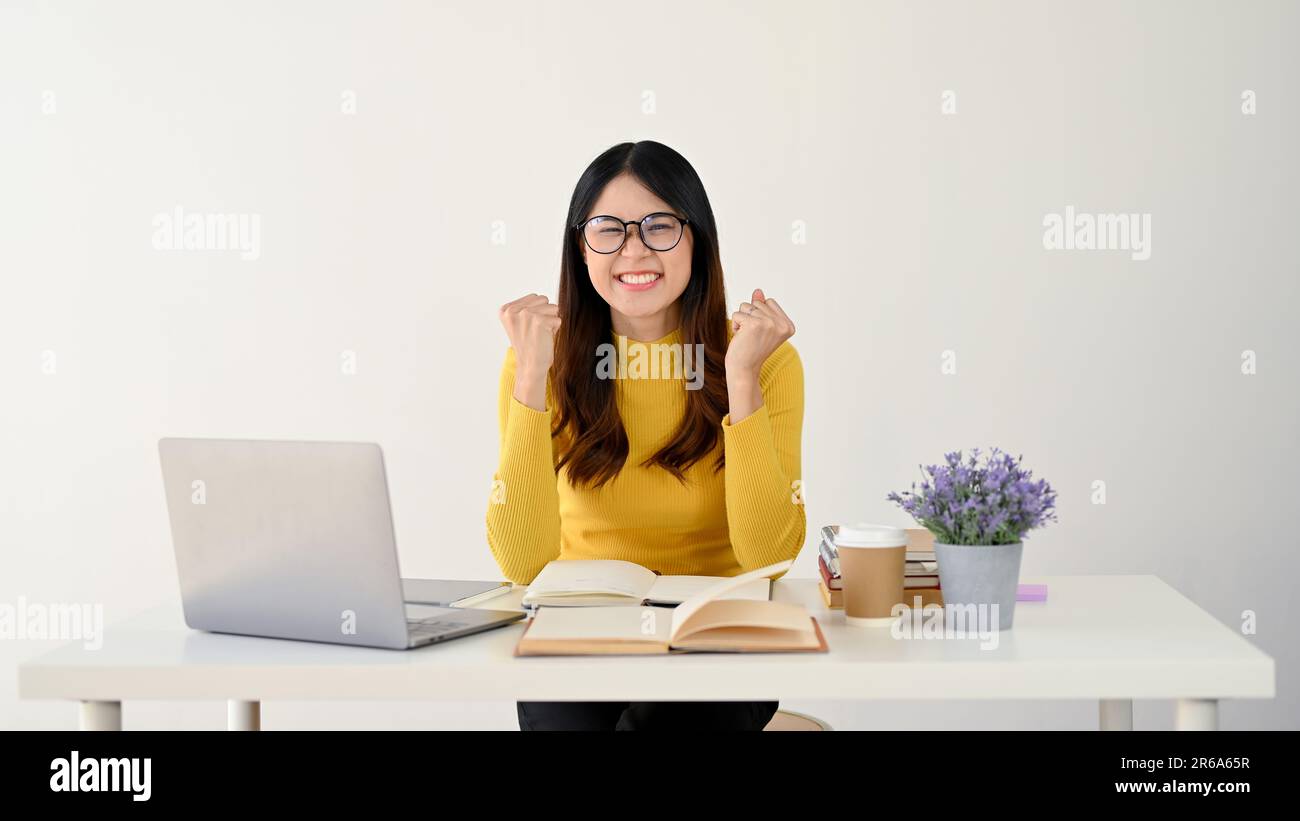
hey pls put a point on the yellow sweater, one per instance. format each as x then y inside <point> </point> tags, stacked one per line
<point>748,515</point>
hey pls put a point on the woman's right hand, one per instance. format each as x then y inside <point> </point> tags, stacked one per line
<point>531,322</point>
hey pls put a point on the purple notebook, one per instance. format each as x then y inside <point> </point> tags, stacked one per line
<point>1031,592</point>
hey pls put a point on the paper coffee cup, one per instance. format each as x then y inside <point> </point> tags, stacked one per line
<point>871,572</point>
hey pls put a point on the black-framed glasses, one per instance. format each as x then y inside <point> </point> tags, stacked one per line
<point>660,231</point>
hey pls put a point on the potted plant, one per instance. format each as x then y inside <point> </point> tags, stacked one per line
<point>979,514</point>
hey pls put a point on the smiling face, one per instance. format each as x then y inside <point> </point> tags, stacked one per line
<point>642,306</point>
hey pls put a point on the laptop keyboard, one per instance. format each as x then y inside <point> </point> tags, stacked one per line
<point>432,627</point>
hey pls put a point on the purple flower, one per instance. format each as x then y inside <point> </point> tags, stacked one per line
<point>972,503</point>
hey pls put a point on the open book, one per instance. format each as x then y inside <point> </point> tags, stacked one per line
<point>706,622</point>
<point>587,582</point>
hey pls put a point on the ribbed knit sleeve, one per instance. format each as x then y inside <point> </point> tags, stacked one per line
<point>523,515</point>
<point>765,510</point>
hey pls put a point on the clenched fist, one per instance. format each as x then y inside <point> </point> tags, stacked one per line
<point>760,328</point>
<point>531,322</point>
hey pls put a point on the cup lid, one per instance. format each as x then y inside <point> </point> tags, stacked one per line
<point>864,534</point>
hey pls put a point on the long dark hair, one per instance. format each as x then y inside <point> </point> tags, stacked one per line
<point>588,421</point>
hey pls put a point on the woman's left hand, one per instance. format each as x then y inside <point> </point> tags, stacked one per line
<point>760,328</point>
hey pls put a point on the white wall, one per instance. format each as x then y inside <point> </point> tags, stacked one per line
<point>924,235</point>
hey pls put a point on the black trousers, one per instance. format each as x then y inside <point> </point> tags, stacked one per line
<point>645,715</point>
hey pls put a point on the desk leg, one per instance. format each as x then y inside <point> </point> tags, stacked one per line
<point>1196,714</point>
<point>101,715</point>
<point>243,715</point>
<point>1116,714</point>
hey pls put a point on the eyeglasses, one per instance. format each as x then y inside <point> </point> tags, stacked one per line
<point>659,232</point>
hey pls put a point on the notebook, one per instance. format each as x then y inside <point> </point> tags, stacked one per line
<point>920,547</point>
<point>707,622</point>
<point>596,582</point>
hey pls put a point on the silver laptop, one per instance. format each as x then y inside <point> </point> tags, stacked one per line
<point>295,540</point>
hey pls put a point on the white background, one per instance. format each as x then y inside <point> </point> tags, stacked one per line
<point>924,235</point>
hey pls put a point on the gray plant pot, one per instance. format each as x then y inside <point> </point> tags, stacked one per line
<point>980,574</point>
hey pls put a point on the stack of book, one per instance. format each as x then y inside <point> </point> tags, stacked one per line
<point>920,569</point>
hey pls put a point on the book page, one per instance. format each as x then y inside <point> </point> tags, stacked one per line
<point>601,624</point>
<point>781,616</point>
<point>583,577</point>
<point>677,589</point>
<point>688,607</point>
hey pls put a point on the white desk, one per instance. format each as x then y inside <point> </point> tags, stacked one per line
<point>1110,638</point>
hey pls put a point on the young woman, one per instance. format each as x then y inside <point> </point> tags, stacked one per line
<point>681,471</point>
